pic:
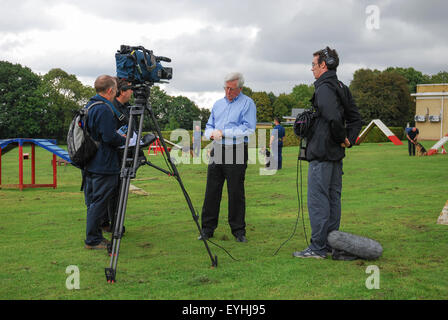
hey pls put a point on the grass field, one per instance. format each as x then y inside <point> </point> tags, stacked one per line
<point>387,195</point>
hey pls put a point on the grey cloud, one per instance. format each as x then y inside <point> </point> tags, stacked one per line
<point>411,34</point>
<point>201,60</point>
<point>289,34</point>
<point>138,10</point>
<point>17,16</point>
<point>9,44</point>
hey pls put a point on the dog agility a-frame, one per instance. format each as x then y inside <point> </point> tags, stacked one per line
<point>438,145</point>
<point>383,128</point>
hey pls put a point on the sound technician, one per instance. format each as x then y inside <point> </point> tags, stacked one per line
<point>335,129</point>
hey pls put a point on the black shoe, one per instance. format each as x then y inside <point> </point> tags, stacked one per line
<point>241,238</point>
<point>206,237</point>
<point>100,246</point>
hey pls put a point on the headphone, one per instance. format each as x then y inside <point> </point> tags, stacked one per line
<point>329,60</point>
<point>123,87</point>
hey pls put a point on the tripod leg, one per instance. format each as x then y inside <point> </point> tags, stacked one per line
<point>128,171</point>
<point>179,180</point>
<point>118,232</point>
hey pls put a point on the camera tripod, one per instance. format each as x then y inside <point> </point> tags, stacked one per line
<point>132,160</point>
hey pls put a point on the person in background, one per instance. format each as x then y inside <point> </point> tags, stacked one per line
<point>412,135</point>
<point>197,136</point>
<point>276,145</point>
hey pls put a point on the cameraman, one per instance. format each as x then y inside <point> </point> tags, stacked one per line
<point>124,94</point>
<point>335,129</point>
<point>102,172</point>
<point>121,103</point>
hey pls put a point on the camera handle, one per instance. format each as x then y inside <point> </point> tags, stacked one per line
<point>128,171</point>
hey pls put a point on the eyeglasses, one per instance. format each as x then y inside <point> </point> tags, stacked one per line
<point>230,89</point>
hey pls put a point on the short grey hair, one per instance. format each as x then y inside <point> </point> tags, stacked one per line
<point>104,83</point>
<point>235,76</point>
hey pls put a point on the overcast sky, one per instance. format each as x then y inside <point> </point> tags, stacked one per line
<point>270,42</point>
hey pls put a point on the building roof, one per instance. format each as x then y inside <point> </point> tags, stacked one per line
<point>429,94</point>
<point>294,113</point>
<point>431,89</point>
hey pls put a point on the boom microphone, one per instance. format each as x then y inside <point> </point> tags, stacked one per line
<point>362,247</point>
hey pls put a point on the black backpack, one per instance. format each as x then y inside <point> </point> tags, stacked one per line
<point>81,146</point>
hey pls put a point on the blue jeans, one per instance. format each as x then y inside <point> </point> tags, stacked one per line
<point>98,190</point>
<point>324,201</point>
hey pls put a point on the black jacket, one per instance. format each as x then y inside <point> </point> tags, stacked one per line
<point>102,124</point>
<point>338,119</point>
<point>124,110</point>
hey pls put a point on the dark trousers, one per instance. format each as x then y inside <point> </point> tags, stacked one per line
<point>112,206</point>
<point>324,201</point>
<point>277,155</point>
<point>411,148</point>
<point>98,190</point>
<point>233,171</point>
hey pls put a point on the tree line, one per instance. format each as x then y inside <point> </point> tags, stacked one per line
<point>36,106</point>
<point>384,95</point>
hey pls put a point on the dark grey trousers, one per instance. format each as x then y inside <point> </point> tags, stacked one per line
<point>228,163</point>
<point>98,190</point>
<point>324,201</point>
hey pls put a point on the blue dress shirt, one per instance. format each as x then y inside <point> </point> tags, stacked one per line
<point>237,119</point>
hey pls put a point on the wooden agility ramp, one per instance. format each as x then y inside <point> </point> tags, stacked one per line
<point>384,129</point>
<point>438,145</point>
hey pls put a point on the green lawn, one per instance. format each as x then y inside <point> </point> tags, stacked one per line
<point>387,195</point>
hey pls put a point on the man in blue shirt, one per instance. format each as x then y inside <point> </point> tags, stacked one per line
<point>232,120</point>
<point>276,145</point>
<point>412,135</point>
<point>102,173</point>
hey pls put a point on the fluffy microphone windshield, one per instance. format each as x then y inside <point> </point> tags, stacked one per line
<point>362,247</point>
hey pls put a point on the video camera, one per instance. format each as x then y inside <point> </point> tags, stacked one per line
<point>139,65</point>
